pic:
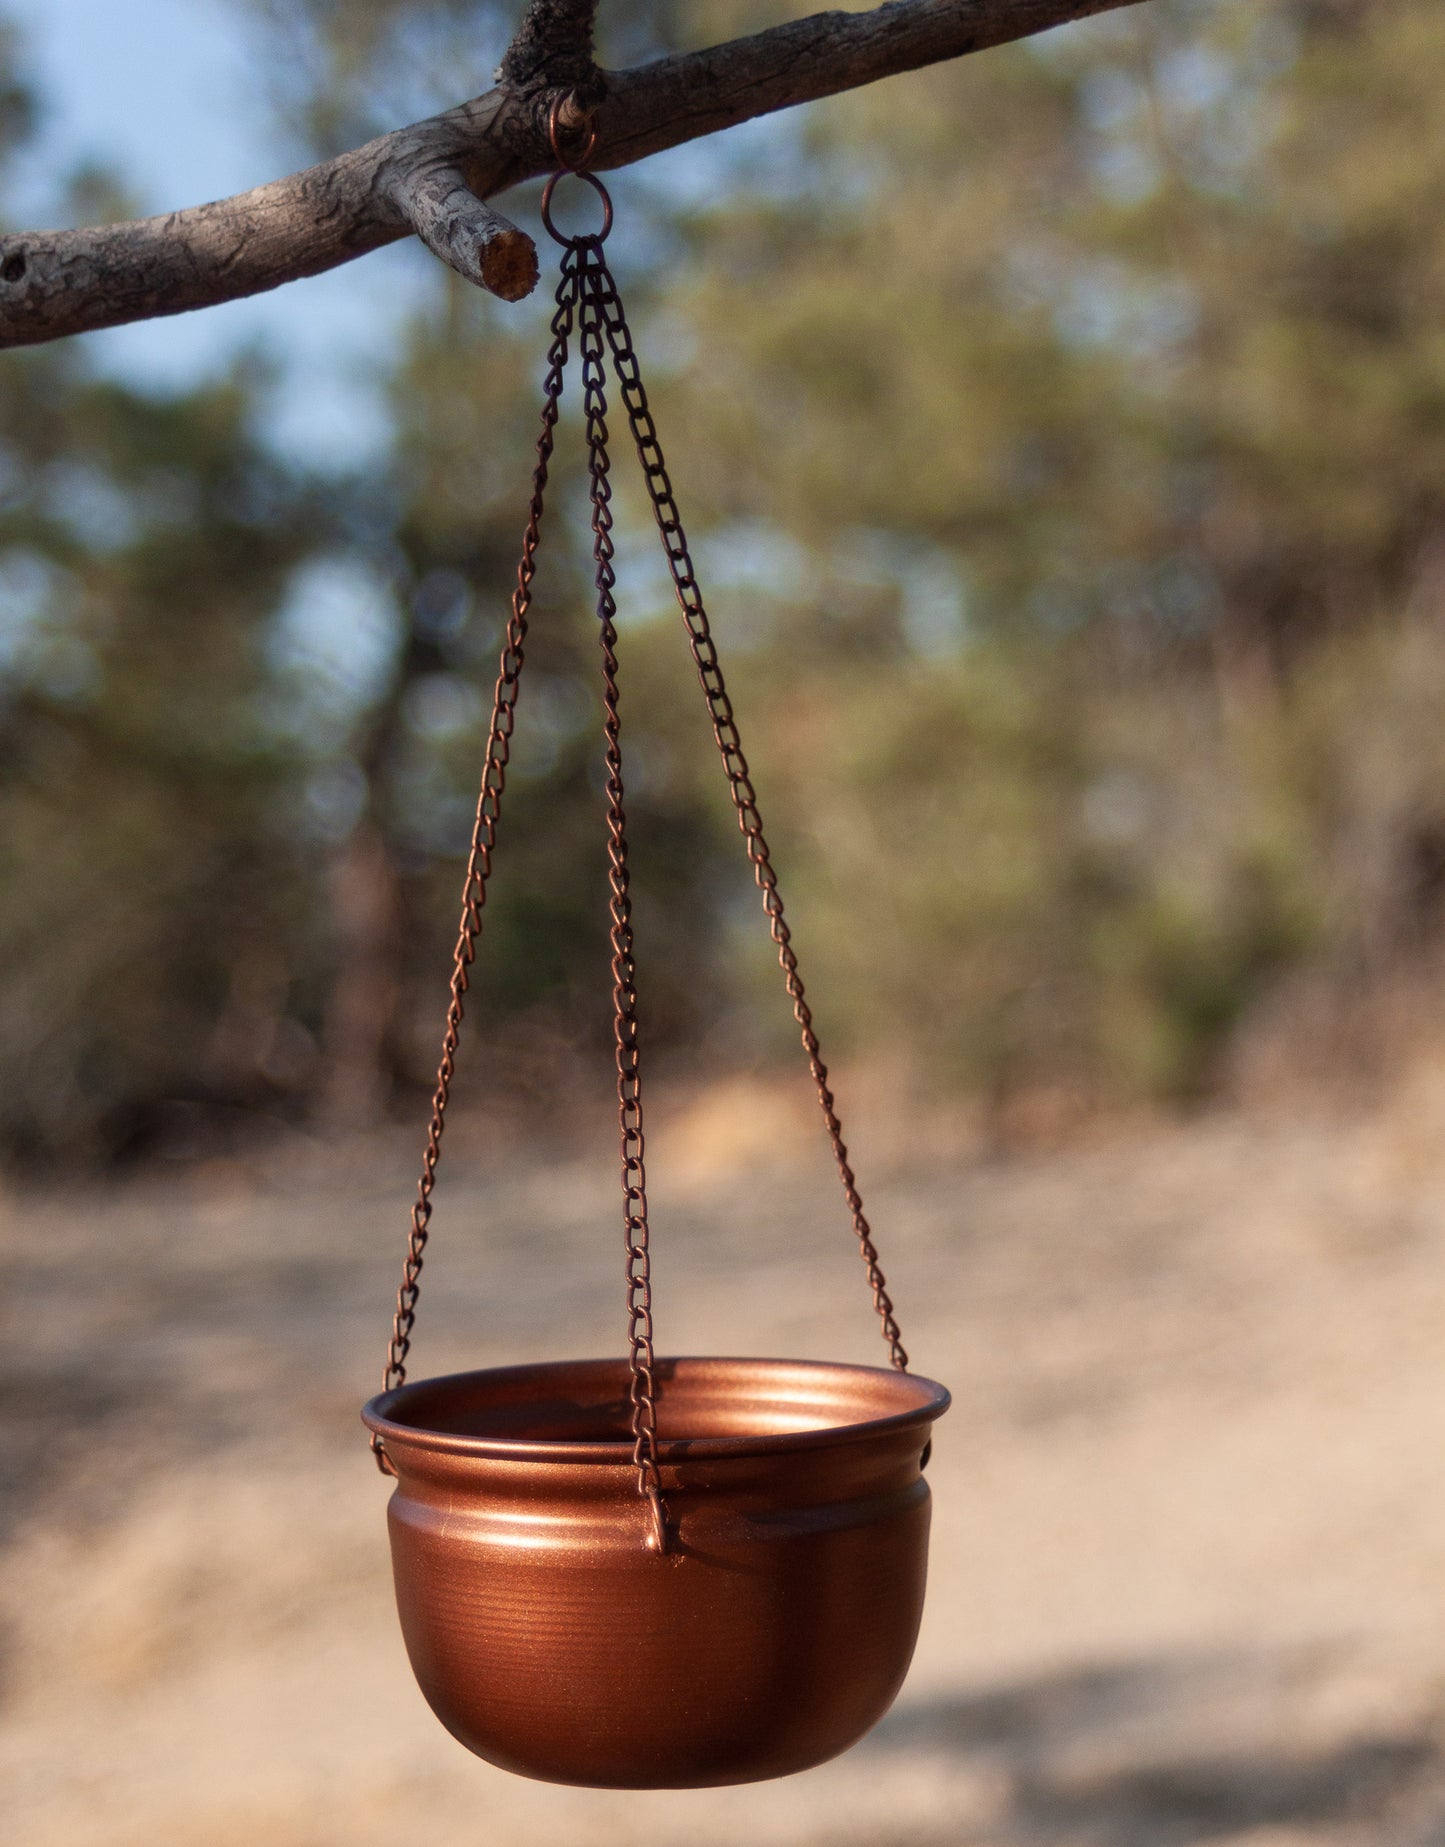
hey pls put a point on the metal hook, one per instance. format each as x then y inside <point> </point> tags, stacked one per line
<point>554,123</point>
<point>574,166</point>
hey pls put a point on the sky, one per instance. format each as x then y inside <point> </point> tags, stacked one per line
<point>166,92</point>
<point>170,97</point>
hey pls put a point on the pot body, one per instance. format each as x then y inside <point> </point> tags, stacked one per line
<point>771,1634</point>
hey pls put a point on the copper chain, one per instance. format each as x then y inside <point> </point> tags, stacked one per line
<point>484,837</point>
<point>643,1389</point>
<point>599,282</point>
<point>587,295</point>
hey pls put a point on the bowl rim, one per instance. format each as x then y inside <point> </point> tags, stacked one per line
<point>931,1402</point>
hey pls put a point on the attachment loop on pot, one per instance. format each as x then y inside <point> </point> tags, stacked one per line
<point>657,1538</point>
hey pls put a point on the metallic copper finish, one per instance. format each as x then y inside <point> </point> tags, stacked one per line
<point>552,1641</point>
<point>642,1573</point>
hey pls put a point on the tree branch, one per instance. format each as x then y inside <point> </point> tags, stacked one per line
<point>465,231</point>
<point>434,177</point>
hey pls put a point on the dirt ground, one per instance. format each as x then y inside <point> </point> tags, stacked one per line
<point>1189,1533</point>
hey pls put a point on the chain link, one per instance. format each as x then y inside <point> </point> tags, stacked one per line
<point>735,764</point>
<point>484,838</point>
<point>643,1390</point>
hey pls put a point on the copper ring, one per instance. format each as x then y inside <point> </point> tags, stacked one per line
<point>602,193</point>
<point>578,161</point>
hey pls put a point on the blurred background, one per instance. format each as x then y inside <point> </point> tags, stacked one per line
<point>1062,434</point>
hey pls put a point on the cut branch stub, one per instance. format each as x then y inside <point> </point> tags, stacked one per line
<point>463,230</point>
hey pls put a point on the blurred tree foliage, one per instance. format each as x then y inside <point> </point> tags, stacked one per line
<point>466,420</point>
<point>1095,395</point>
<point>157,927</point>
<point>1064,435</point>
<point>1065,425</point>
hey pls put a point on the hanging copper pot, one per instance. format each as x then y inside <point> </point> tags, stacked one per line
<point>551,1639</point>
<point>645,1573</point>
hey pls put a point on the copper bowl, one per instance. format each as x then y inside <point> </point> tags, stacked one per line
<point>775,1630</point>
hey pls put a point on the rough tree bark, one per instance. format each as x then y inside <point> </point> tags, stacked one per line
<point>435,177</point>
